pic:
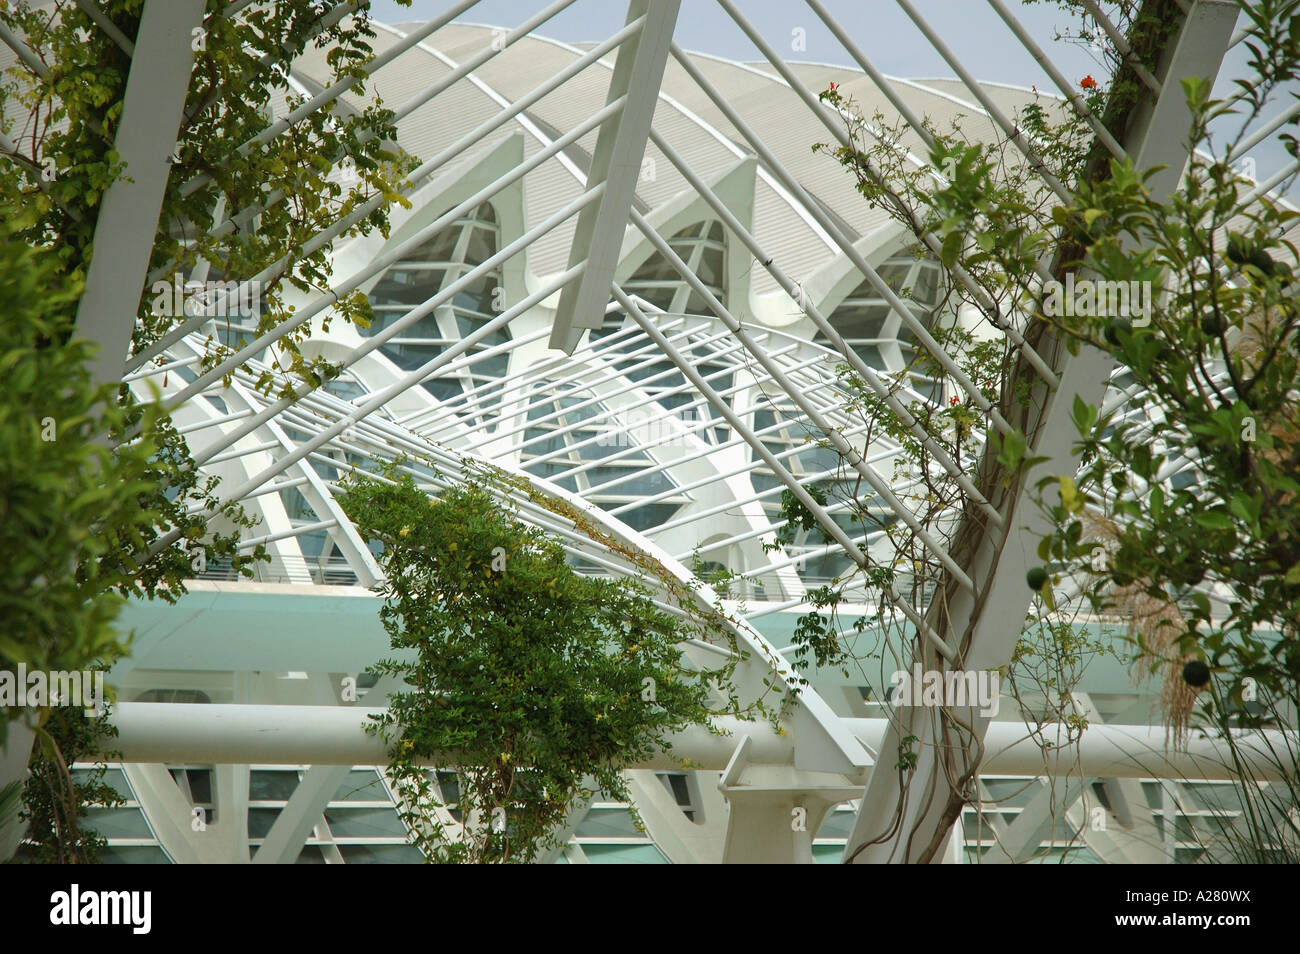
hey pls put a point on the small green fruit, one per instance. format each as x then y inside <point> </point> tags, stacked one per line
<point>1036,577</point>
<point>1196,674</point>
<point>1211,326</point>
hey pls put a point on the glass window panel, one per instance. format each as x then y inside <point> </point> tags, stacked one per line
<point>345,387</point>
<point>609,823</point>
<point>133,855</point>
<point>118,822</point>
<point>872,357</point>
<point>200,782</point>
<point>260,821</point>
<point>407,285</point>
<point>408,357</point>
<point>865,322</point>
<point>624,855</point>
<point>574,413</point>
<point>113,778</point>
<point>271,786</point>
<point>710,268</point>
<point>892,273</point>
<point>836,825</point>
<point>549,470</point>
<point>548,445</point>
<point>444,389</point>
<point>425,327</point>
<point>482,246</point>
<point>650,516</point>
<point>926,289</point>
<point>818,459</point>
<point>609,441</point>
<point>364,822</point>
<point>381,854</point>
<point>643,484</point>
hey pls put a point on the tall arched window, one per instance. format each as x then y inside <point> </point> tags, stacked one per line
<point>876,331</point>
<point>421,275</point>
<point>703,247</point>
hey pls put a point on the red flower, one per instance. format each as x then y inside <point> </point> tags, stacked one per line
<point>953,400</point>
<point>834,87</point>
<point>1088,82</point>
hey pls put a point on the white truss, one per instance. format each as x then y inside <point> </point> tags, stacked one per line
<point>705,404</point>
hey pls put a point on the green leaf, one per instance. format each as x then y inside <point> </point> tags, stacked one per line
<point>1213,520</point>
<point>1084,416</point>
<point>951,249</point>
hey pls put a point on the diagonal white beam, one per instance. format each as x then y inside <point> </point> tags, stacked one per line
<point>128,218</point>
<point>616,162</point>
<point>295,822</point>
<point>988,624</point>
<point>845,449</point>
<point>827,523</point>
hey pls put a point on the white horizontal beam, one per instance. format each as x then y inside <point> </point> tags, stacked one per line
<point>184,733</point>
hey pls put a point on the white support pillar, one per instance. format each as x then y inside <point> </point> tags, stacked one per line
<point>128,216</point>
<point>218,837</point>
<point>988,622</point>
<point>685,841</point>
<point>616,162</point>
<point>776,810</point>
<point>294,824</point>
<point>1036,822</point>
<point>566,830</point>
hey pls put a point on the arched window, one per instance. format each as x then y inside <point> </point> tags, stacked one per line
<point>422,274</point>
<point>876,331</point>
<point>701,246</point>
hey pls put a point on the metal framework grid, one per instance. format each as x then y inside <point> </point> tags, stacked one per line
<point>547,387</point>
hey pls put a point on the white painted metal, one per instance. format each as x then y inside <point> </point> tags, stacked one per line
<point>822,760</point>
<point>128,216</point>
<point>987,627</point>
<point>167,732</point>
<point>616,163</point>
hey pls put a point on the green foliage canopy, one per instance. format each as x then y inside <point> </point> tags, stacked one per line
<point>536,683</point>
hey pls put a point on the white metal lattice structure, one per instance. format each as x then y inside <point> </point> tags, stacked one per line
<point>624,277</point>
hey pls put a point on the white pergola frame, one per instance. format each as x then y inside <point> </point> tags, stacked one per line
<point>824,759</point>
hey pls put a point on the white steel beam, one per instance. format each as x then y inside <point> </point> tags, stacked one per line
<point>681,839</point>
<point>153,104</point>
<point>1037,821</point>
<point>987,625</point>
<point>828,525</point>
<point>616,162</point>
<point>295,822</point>
<point>184,733</point>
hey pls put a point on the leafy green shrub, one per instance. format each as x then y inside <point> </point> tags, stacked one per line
<point>537,684</point>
